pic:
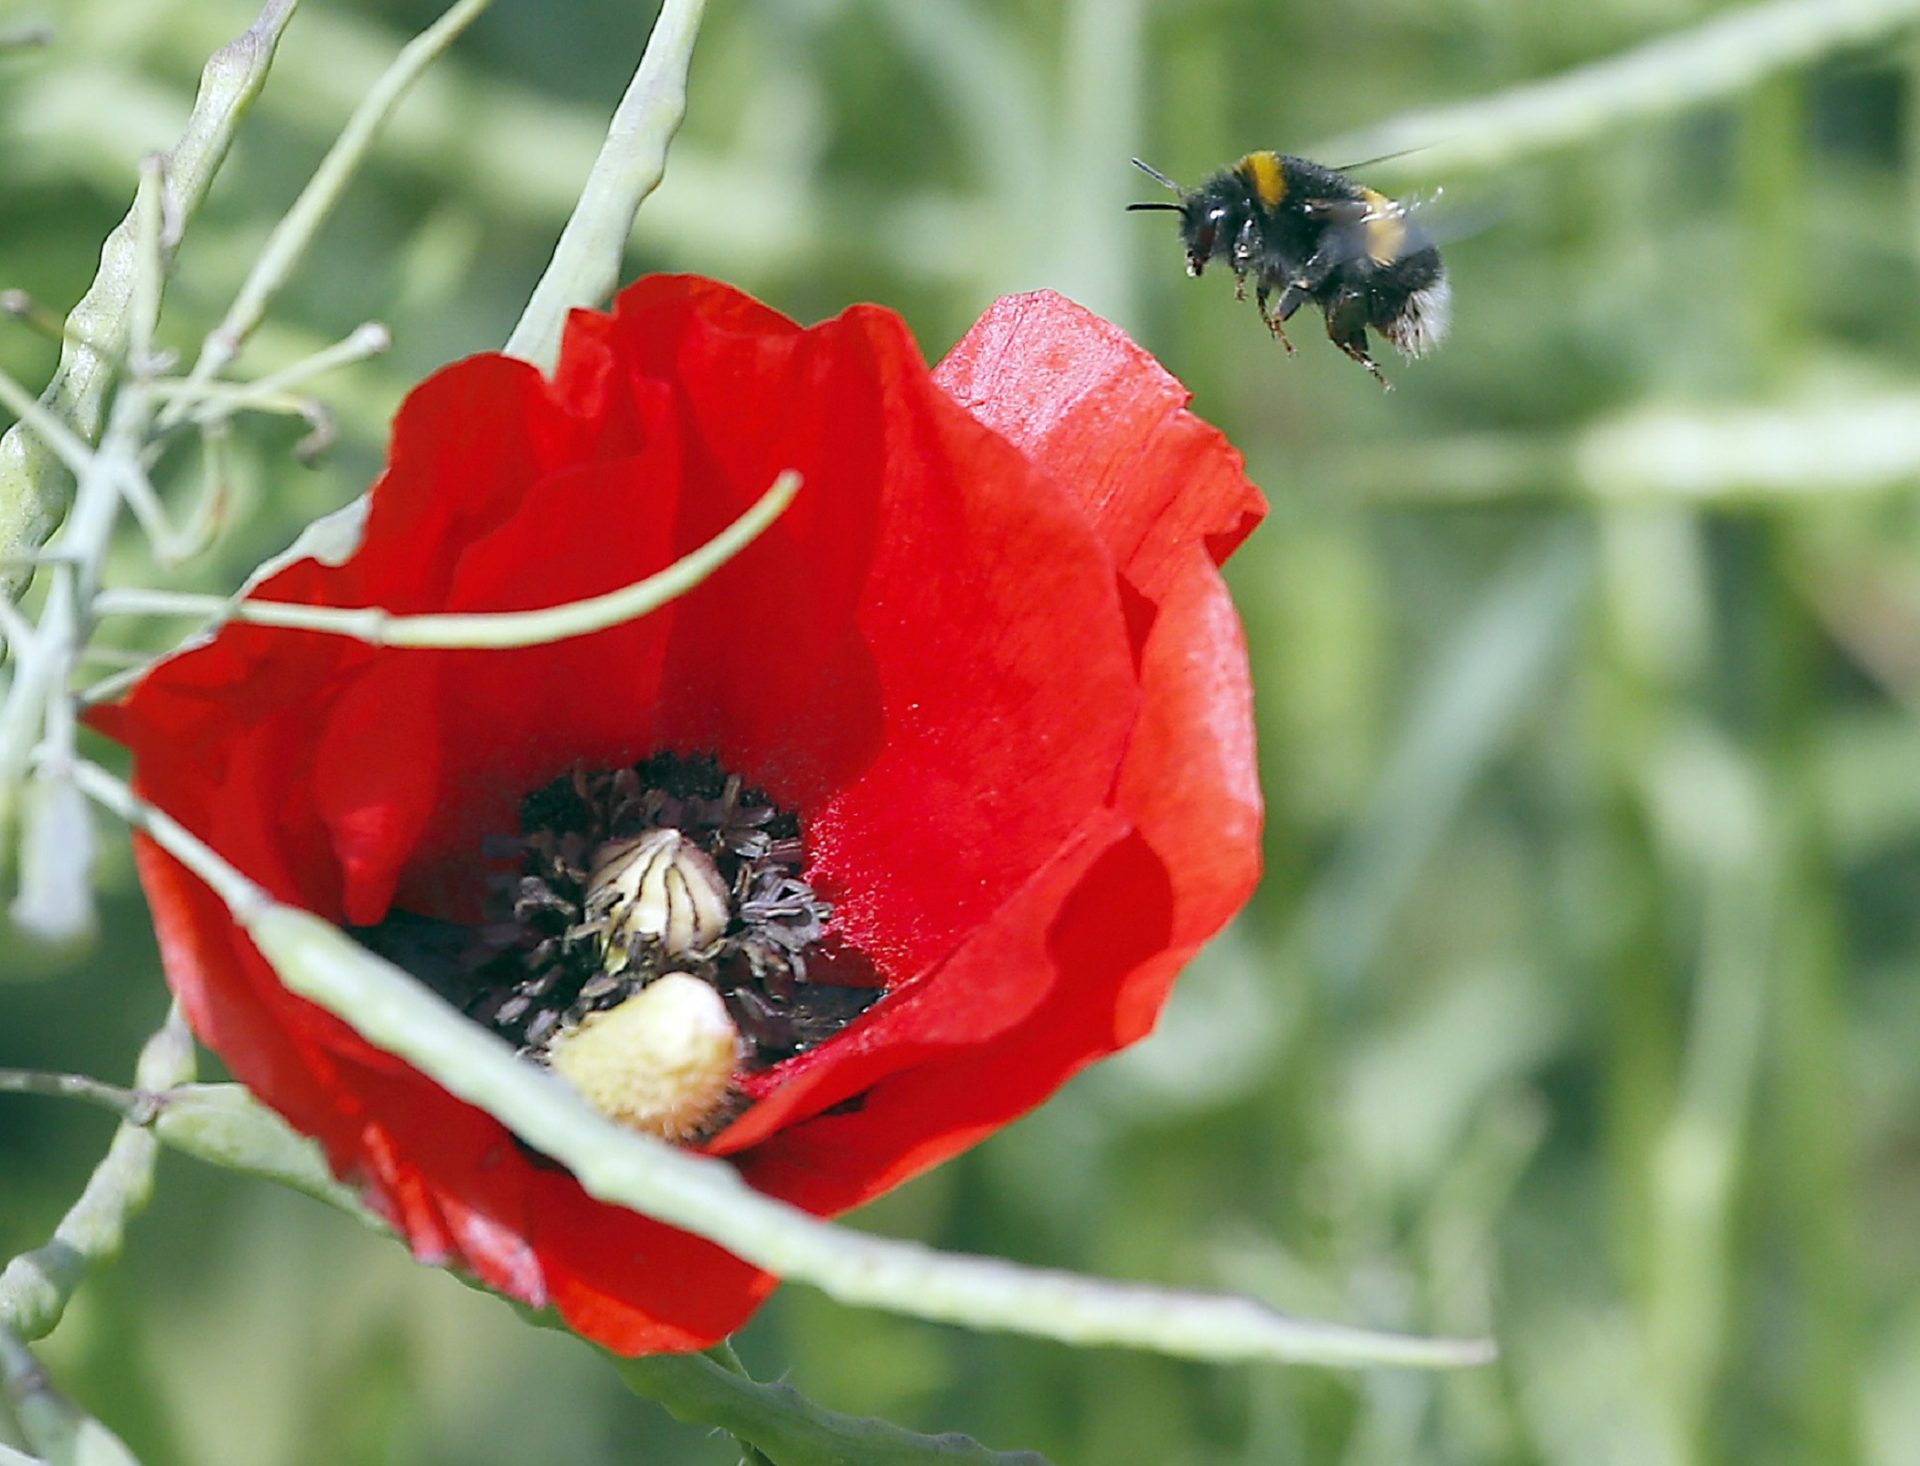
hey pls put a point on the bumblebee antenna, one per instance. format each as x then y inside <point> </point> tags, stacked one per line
<point>1158,177</point>
<point>1169,208</point>
<point>1383,158</point>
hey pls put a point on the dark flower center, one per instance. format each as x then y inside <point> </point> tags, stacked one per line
<point>671,866</point>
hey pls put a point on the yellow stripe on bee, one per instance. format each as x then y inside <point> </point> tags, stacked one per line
<point>1386,227</point>
<point>1267,175</point>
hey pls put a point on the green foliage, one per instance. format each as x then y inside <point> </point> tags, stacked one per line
<point>1579,1000</point>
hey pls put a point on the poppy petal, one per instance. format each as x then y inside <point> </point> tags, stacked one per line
<point>985,659</point>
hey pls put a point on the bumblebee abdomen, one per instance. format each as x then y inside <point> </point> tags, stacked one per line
<point>1412,302</point>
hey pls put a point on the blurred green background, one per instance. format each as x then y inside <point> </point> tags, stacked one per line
<point>1579,1002</point>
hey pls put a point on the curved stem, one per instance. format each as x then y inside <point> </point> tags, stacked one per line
<point>36,1286</point>
<point>294,233</point>
<point>706,1196</point>
<point>585,266</point>
<point>496,629</point>
<point>64,1434</point>
<point>34,487</point>
<point>778,1423</point>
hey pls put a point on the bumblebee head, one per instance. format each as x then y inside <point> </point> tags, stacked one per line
<point>1207,217</point>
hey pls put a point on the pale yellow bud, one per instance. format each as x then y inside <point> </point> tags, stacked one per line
<point>659,887</point>
<point>661,1062</point>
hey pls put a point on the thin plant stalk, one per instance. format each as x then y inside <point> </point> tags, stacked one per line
<point>585,267</point>
<point>496,629</point>
<point>709,1198</point>
<point>35,488</point>
<point>36,1286</point>
<point>292,236</point>
<point>1714,61</point>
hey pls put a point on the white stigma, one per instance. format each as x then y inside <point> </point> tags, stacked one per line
<point>657,888</point>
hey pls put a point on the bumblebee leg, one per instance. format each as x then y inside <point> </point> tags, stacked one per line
<point>1243,251</point>
<point>1311,276</point>
<point>1249,239</point>
<point>1276,322</point>
<point>1291,299</point>
<point>1347,329</point>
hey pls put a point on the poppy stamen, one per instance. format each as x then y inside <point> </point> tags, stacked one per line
<point>621,879</point>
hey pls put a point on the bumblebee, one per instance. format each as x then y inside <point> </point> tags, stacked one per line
<point>1306,232</point>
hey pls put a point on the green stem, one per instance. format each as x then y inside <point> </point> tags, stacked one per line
<point>723,1355</point>
<point>39,673</point>
<point>223,1125</point>
<point>1718,58</point>
<point>1103,107</point>
<point>36,1286</point>
<point>220,1124</point>
<point>481,629</point>
<point>1802,448</point>
<point>1812,1159</point>
<point>585,268</point>
<point>57,892</point>
<point>46,427</point>
<point>129,1104</point>
<point>288,242</point>
<point>1644,562</point>
<point>786,1427</point>
<point>35,489</point>
<point>60,1431</point>
<point>707,1197</point>
<point>1698,1161</point>
<point>215,402</point>
<point>1774,176</point>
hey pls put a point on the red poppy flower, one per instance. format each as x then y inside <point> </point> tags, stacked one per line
<point>966,735</point>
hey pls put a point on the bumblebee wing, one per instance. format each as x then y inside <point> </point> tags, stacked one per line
<point>1383,229</point>
<point>1337,211</point>
<point>1440,218</point>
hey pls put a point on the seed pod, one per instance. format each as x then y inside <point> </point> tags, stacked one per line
<point>662,1062</point>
